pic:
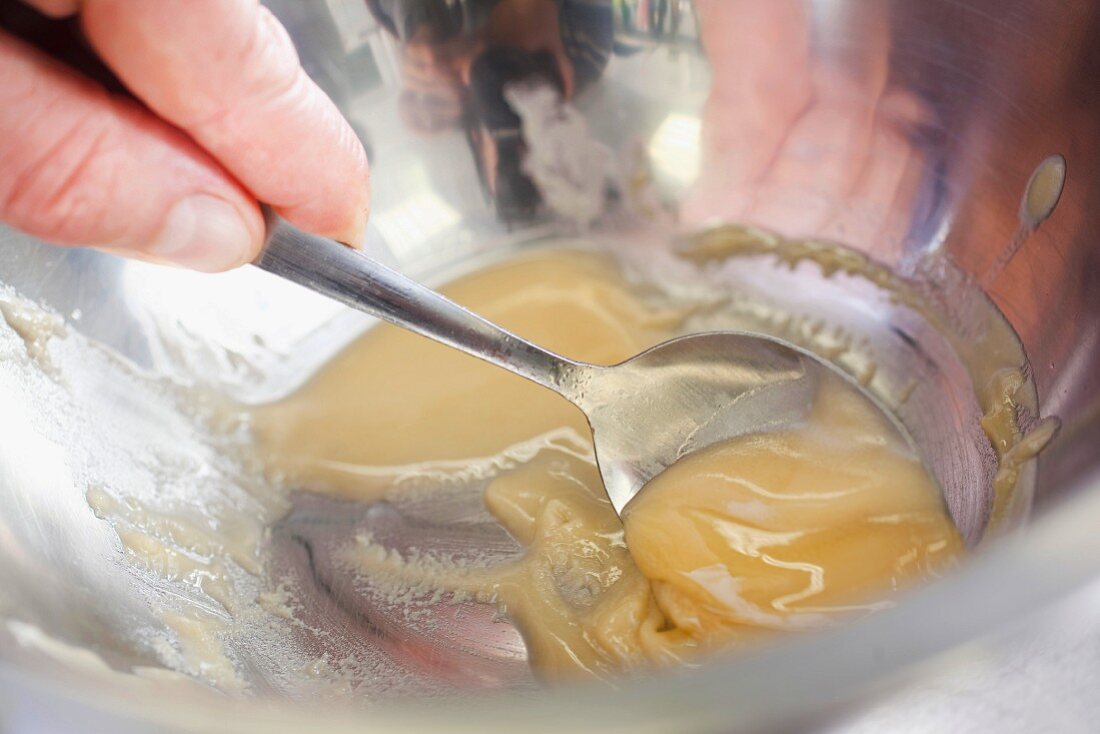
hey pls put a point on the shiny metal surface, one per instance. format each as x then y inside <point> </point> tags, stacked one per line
<point>701,389</point>
<point>345,275</point>
<point>908,131</point>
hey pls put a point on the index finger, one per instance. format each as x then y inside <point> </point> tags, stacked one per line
<point>226,72</point>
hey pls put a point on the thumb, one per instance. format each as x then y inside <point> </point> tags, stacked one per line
<point>79,167</point>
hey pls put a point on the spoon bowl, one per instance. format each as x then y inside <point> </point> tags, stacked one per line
<point>686,394</point>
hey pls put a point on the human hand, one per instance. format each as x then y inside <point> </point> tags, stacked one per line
<point>225,118</point>
<point>807,144</point>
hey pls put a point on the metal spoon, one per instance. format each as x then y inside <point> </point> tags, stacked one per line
<point>645,413</point>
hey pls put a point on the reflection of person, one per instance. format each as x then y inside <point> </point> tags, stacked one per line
<point>224,117</point>
<point>458,58</point>
<point>441,40</point>
<point>807,145</point>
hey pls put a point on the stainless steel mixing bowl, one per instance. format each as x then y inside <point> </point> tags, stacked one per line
<point>909,131</point>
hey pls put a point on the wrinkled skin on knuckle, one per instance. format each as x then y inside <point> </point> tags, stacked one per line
<point>265,70</point>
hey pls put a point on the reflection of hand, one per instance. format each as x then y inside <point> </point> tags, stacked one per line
<point>227,118</point>
<point>806,144</point>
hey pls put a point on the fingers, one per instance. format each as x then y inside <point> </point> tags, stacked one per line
<point>80,167</point>
<point>226,72</point>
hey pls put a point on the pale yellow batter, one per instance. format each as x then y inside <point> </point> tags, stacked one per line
<point>791,530</point>
<point>775,532</point>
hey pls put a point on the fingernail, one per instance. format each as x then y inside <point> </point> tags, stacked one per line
<point>203,233</point>
<point>355,232</point>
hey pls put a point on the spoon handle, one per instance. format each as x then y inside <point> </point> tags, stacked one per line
<point>349,276</point>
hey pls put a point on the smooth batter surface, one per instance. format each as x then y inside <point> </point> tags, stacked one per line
<point>786,531</point>
<point>791,530</point>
